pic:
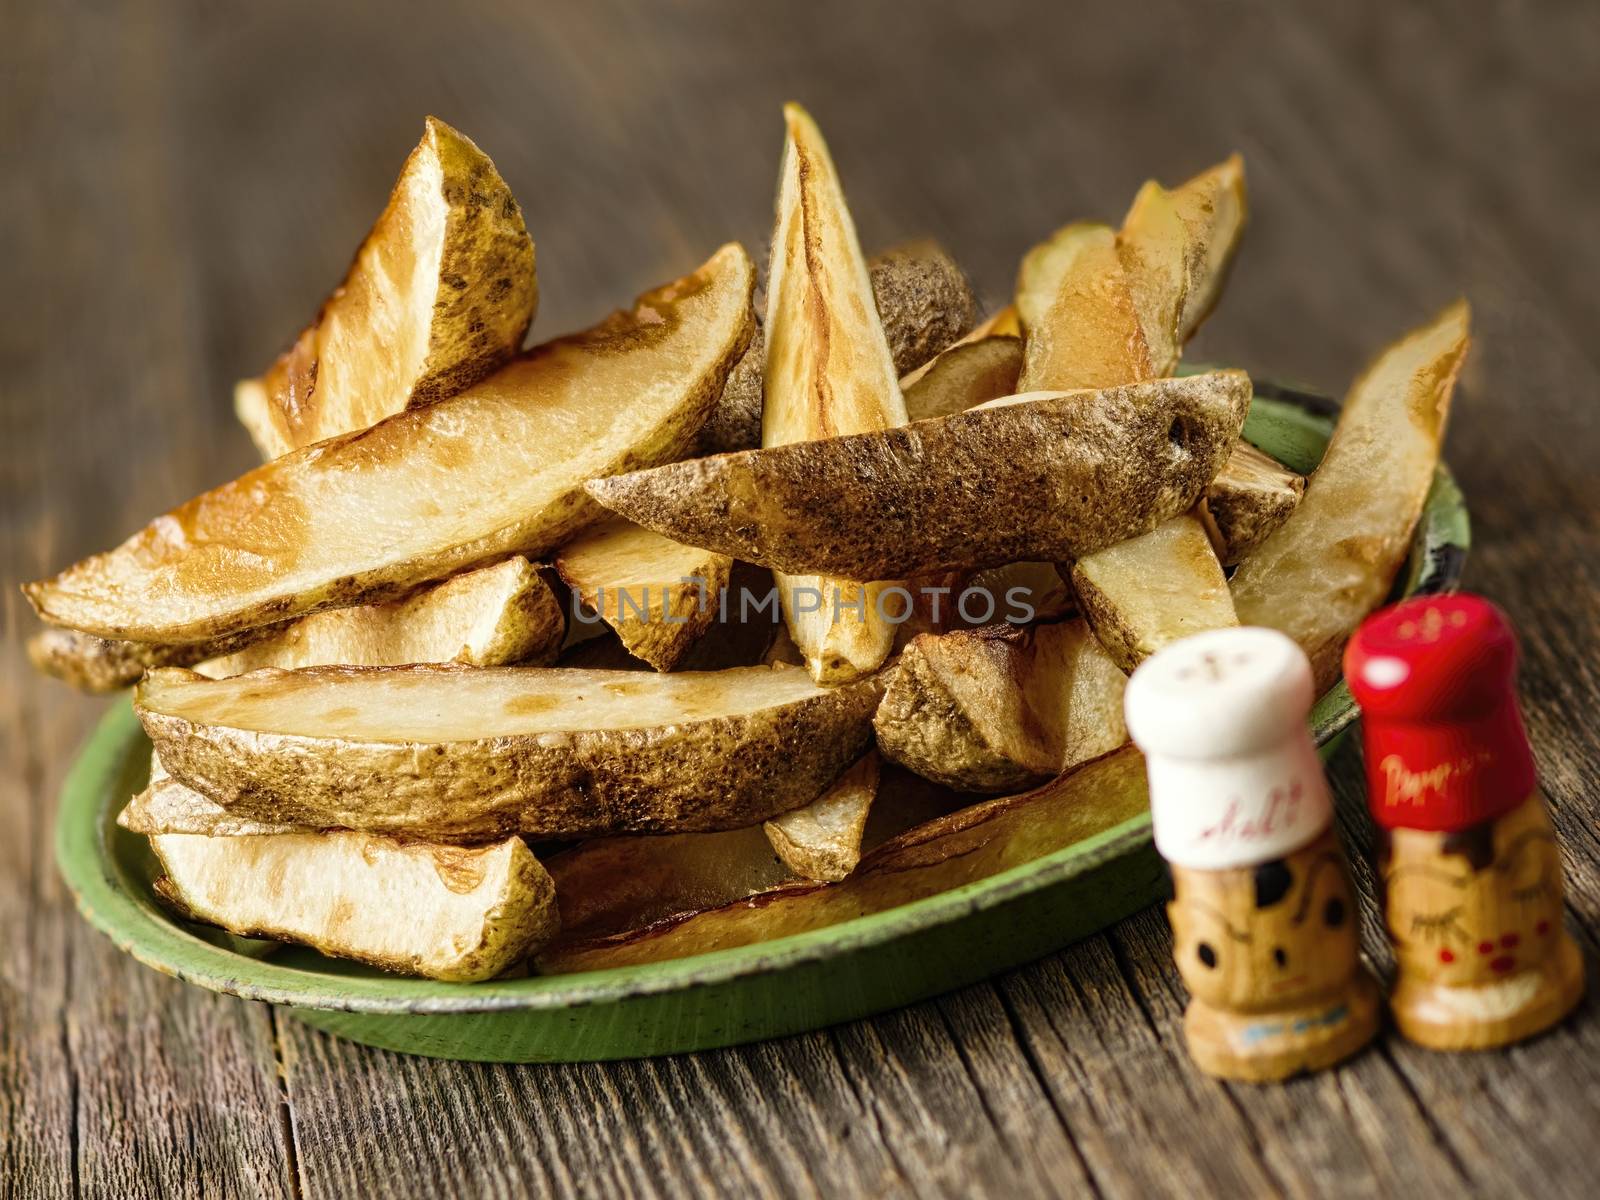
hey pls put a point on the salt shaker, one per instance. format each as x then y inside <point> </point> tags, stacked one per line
<point>1263,915</point>
<point>1470,866</point>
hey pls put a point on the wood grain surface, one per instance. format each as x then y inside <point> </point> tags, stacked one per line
<point>183,182</point>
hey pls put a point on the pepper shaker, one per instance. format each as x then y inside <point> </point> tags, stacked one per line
<point>1263,914</point>
<point>1469,862</point>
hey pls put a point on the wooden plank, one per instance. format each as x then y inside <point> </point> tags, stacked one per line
<point>114,1080</point>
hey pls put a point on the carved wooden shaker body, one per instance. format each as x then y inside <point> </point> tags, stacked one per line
<point>1470,866</point>
<point>1263,915</point>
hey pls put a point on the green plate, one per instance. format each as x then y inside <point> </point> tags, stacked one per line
<point>785,986</point>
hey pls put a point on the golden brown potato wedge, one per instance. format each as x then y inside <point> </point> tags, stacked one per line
<point>829,371</point>
<point>1175,249</point>
<point>1001,708</point>
<point>822,840</point>
<point>1149,591</point>
<point>964,376</point>
<point>1251,496</point>
<point>969,845</point>
<point>464,754</point>
<point>1212,209</point>
<point>443,912</point>
<point>495,470</point>
<point>500,614</point>
<point>1090,335</point>
<point>1045,265</point>
<point>1042,478</point>
<point>924,302</point>
<point>439,296</point>
<point>1334,560</point>
<point>494,615</point>
<point>659,595</point>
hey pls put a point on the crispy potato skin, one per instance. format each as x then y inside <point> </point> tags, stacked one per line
<point>944,853</point>
<point>285,540</point>
<point>1251,496</point>
<point>484,295</point>
<point>1001,708</point>
<point>167,806</point>
<point>924,300</point>
<point>1049,479</point>
<point>717,772</point>
<point>472,913</point>
<point>735,421</point>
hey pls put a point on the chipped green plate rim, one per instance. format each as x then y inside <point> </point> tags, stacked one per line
<point>806,981</point>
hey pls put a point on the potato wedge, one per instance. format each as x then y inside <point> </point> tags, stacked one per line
<point>1090,336</point>
<point>1251,496</point>
<point>464,754</point>
<point>1026,592</point>
<point>822,840</point>
<point>443,912</point>
<point>167,806</point>
<point>1212,208</point>
<point>1001,708</point>
<point>608,885</point>
<point>945,853</point>
<point>1148,592</point>
<point>924,302</point>
<point>97,664</point>
<point>1335,558</point>
<point>438,297</point>
<point>1045,478</point>
<point>494,615</point>
<point>499,614</point>
<point>1045,265</point>
<point>659,595</point>
<point>963,377</point>
<point>829,371</point>
<point>426,493</point>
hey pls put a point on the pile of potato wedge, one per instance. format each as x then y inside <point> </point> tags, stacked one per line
<point>705,626</point>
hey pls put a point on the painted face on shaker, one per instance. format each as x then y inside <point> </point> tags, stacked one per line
<point>1280,935</point>
<point>1474,907</point>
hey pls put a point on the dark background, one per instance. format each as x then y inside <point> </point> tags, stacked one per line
<point>182,184</point>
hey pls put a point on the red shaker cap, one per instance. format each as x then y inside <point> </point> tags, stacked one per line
<point>1436,680</point>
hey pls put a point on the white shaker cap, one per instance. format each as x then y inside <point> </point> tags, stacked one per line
<point>1234,776</point>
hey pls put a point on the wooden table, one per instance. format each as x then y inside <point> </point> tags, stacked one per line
<point>183,183</point>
